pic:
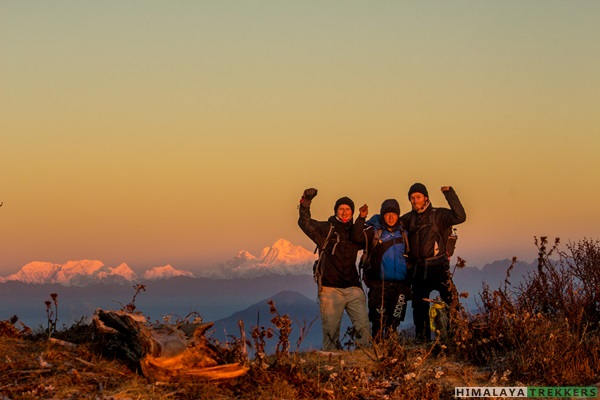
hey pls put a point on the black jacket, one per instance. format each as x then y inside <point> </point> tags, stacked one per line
<point>423,236</point>
<point>338,263</point>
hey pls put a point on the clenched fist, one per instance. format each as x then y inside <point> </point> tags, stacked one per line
<point>309,194</point>
<point>364,211</point>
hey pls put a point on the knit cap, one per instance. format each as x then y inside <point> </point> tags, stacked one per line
<point>344,200</point>
<point>418,188</point>
<point>390,206</point>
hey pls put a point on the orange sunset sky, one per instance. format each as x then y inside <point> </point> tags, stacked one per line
<point>153,132</point>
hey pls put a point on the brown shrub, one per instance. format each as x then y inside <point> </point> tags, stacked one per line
<point>547,329</point>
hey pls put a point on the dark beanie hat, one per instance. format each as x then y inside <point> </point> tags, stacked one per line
<point>390,206</point>
<point>418,188</point>
<point>344,200</point>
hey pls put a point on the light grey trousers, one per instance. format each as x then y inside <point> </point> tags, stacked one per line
<point>333,302</point>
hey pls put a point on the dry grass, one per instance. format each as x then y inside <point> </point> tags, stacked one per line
<point>545,331</point>
<point>33,368</point>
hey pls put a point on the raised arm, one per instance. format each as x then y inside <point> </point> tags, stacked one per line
<point>311,228</point>
<point>356,234</point>
<point>457,213</point>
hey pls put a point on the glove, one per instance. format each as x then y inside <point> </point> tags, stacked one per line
<point>309,194</point>
<point>307,197</point>
<point>364,211</point>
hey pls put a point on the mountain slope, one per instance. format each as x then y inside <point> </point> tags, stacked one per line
<point>302,311</point>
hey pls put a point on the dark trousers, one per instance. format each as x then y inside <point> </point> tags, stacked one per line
<point>387,306</point>
<point>433,277</point>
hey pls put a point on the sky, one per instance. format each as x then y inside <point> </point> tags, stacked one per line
<point>153,133</point>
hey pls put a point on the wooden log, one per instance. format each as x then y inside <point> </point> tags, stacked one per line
<point>62,343</point>
<point>164,352</point>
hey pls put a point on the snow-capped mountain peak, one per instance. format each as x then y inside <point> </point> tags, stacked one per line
<point>244,255</point>
<point>80,273</point>
<point>36,272</point>
<point>124,271</point>
<point>282,258</point>
<point>164,272</point>
<point>284,252</point>
<point>72,273</point>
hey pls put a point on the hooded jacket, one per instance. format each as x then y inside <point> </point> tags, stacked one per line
<point>387,258</point>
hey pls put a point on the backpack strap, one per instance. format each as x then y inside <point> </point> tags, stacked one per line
<point>405,238</point>
<point>365,259</point>
<point>377,236</point>
<point>326,242</point>
<point>444,236</point>
<point>433,226</point>
<point>432,222</point>
<point>317,268</point>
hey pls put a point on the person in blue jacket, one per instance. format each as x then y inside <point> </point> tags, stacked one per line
<point>385,267</point>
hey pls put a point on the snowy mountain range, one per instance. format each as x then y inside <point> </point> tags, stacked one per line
<point>283,258</point>
<point>88,272</point>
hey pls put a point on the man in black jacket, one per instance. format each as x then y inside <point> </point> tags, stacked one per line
<point>339,283</point>
<point>428,230</point>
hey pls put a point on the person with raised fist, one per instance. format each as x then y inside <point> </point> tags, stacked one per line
<point>335,271</point>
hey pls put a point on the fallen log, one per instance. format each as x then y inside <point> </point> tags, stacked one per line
<point>164,352</point>
<point>62,343</point>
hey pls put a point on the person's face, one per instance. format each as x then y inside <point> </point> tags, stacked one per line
<point>418,201</point>
<point>344,212</point>
<point>390,218</point>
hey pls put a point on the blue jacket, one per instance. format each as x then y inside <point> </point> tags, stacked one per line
<point>387,254</point>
